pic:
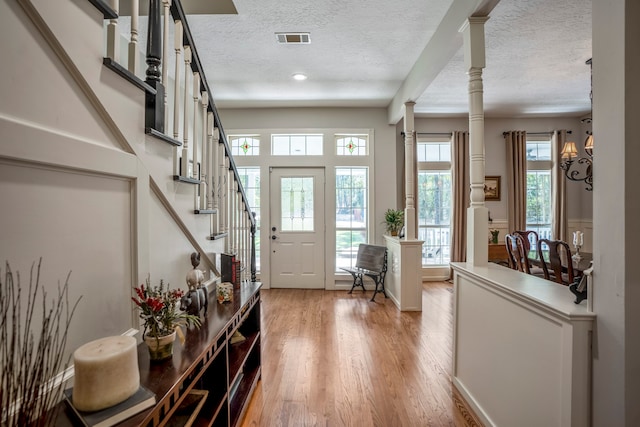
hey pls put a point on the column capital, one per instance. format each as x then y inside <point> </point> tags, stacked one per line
<point>474,47</point>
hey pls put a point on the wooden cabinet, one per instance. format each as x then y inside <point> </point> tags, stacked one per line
<point>498,252</point>
<point>208,363</point>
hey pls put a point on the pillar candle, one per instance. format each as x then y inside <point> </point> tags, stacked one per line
<point>106,373</point>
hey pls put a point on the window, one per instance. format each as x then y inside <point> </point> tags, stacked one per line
<point>351,213</point>
<point>351,145</point>
<point>434,201</point>
<point>250,179</point>
<point>296,200</point>
<point>296,145</point>
<point>539,198</point>
<point>244,145</point>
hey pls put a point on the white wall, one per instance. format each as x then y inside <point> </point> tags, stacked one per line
<point>616,67</point>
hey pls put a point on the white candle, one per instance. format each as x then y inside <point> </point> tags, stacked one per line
<point>106,373</point>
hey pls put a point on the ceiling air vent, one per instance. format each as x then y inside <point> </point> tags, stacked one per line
<point>293,38</point>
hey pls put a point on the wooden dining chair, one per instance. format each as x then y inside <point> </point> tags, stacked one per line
<point>516,253</point>
<point>530,240</point>
<point>556,263</point>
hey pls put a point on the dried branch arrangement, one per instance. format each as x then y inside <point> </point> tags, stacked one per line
<point>32,354</point>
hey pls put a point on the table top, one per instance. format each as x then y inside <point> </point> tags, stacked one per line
<point>578,266</point>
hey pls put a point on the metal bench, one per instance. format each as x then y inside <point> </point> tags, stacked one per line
<point>371,262</point>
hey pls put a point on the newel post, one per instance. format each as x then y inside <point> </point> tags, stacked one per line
<point>154,114</point>
<point>253,247</point>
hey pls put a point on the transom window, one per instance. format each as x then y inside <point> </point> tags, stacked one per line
<point>351,145</point>
<point>245,145</point>
<point>296,145</point>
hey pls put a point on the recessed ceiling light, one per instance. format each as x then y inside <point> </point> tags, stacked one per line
<point>299,76</point>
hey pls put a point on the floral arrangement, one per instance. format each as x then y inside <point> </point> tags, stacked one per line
<point>494,235</point>
<point>159,309</point>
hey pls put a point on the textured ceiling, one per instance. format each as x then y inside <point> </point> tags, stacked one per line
<point>363,53</point>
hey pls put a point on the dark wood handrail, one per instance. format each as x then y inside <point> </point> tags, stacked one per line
<point>177,12</point>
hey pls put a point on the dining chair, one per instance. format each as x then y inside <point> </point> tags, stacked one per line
<point>530,240</point>
<point>557,263</point>
<point>516,253</point>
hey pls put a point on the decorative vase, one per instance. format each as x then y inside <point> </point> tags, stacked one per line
<point>160,348</point>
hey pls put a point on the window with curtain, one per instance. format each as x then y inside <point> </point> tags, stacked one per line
<point>539,197</point>
<point>351,213</point>
<point>250,179</point>
<point>434,200</point>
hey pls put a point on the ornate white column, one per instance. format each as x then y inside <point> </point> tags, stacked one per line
<point>410,172</point>
<point>196,103</point>
<point>477,213</point>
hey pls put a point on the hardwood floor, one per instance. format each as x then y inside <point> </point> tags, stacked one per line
<point>334,359</point>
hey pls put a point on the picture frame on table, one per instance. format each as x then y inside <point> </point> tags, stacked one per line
<point>492,188</point>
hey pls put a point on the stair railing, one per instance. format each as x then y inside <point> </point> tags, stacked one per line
<point>185,116</point>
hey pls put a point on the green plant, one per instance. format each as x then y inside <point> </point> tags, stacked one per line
<point>394,220</point>
<point>159,309</point>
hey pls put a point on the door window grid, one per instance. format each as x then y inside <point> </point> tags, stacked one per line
<point>351,214</point>
<point>434,200</point>
<point>244,145</point>
<point>296,145</point>
<point>351,145</point>
<point>296,204</point>
<point>250,179</point>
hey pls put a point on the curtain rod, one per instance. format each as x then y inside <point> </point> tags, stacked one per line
<point>537,133</point>
<point>430,133</point>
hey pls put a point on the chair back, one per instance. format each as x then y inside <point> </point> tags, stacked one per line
<point>530,239</point>
<point>556,262</point>
<point>517,253</point>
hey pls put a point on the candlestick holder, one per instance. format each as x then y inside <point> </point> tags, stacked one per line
<point>577,257</point>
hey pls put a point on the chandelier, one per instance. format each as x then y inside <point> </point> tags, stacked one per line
<point>569,153</point>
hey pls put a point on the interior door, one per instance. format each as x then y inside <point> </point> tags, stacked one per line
<point>297,228</point>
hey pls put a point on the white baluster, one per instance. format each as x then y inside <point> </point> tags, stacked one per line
<point>177,46</point>
<point>113,47</point>
<point>133,43</point>
<point>166,4</point>
<point>196,113</point>
<point>185,127</point>
<point>207,130</point>
<point>212,202</point>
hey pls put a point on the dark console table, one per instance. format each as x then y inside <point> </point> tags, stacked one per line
<point>208,364</point>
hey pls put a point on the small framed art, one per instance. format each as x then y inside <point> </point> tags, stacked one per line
<point>492,188</point>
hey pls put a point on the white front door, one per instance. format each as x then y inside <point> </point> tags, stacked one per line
<point>297,228</point>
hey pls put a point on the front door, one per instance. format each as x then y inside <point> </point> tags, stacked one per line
<point>297,228</point>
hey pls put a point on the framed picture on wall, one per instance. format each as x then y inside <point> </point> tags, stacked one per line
<point>492,188</point>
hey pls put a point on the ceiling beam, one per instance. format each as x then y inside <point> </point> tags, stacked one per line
<point>446,41</point>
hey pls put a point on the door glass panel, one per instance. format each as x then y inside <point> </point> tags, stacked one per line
<point>296,204</point>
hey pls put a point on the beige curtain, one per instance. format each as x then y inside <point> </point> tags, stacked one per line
<point>516,142</point>
<point>460,186</point>
<point>559,228</point>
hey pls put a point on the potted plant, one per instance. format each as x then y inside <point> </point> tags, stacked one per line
<point>159,311</point>
<point>394,220</point>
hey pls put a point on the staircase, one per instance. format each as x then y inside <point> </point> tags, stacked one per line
<point>166,79</point>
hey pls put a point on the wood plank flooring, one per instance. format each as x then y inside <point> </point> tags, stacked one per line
<point>334,359</point>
